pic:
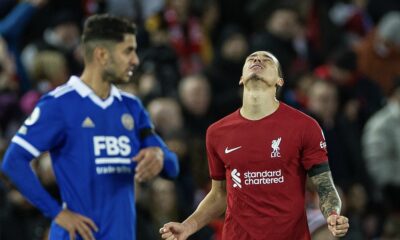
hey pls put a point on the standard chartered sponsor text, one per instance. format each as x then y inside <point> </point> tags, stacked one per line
<point>264,177</point>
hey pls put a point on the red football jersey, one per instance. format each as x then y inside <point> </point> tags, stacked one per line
<point>265,163</point>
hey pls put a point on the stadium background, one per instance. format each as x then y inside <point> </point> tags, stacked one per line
<point>340,61</point>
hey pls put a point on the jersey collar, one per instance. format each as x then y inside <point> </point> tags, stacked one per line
<point>84,91</point>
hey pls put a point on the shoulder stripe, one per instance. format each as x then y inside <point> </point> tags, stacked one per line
<point>58,92</point>
<point>26,145</point>
<point>129,95</point>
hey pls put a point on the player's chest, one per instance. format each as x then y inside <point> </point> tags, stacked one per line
<point>108,131</point>
<point>265,147</point>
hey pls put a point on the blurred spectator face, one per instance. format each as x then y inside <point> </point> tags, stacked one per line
<point>147,84</point>
<point>323,100</point>
<point>50,66</point>
<point>178,145</point>
<point>181,7</point>
<point>195,94</point>
<point>235,47</point>
<point>210,15</point>
<point>339,75</point>
<point>388,34</point>
<point>166,115</point>
<point>7,68</point>
<point>163,196</point>
<point>68,34</point>
<point>357,198</point>
<point>284,23</point>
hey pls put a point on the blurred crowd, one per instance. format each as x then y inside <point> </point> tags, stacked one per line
<point>341,65</point>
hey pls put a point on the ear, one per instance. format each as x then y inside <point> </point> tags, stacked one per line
<point>101,55</point>
<point>241,80</point>
<point>280,82</point>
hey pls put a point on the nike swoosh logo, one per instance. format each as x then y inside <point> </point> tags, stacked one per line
<point>227,150</point>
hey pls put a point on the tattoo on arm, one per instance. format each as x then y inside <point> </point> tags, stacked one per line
<point>329,200</point>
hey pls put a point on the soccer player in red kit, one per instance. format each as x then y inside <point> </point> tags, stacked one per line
<point>259,157</point>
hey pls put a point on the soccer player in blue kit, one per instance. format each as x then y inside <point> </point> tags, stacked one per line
<point>99,138</point>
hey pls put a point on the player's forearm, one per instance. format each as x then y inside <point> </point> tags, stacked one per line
<point>329,200</point>
<point>171,165</point>
<point>16,166</point>
<point>212,206</point>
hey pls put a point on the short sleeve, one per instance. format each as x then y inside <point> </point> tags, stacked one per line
<point>215,164</point>
<point>314,149</point>
<point>43,129</point>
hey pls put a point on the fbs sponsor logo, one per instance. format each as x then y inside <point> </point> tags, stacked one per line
<point>257,178</point>
<point>111,146</point>
<point>112,154</point>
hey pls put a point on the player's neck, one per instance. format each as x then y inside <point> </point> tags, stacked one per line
<point>94,80</point>
<point>258,104</point>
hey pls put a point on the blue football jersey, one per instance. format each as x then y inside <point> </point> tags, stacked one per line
<point>91,142</point>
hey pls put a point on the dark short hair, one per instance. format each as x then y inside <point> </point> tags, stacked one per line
<point>107,28</point>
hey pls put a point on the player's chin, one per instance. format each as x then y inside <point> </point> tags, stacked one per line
<point>123,79</point>
<point>255,77</point>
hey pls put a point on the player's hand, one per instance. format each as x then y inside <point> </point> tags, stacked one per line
<point>338,225</point>
<point>73,223</point>
<point>174,231</point>
<point>150,163</point>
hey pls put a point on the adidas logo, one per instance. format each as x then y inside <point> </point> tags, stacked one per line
<point>87,123</point>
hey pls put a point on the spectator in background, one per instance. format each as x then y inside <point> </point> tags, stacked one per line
<point>353,18</point>
<point>281,28</point>
<point>11,29</point>
<point>381,141</point>
<point>8,92</point>
<point>209,12</point>
<point>163,201</point>
<point>159,60</point>
<point>50,70</point>
<point>167,116</point>
<point>226,66</point>
<point>341,139</point>
<point>378,54</point>
<point>359,97</point>
<point>62,35</point>
<point>195,97</point>
<point>137,11</point>
<point>356,209</point>
<point>185,35</point>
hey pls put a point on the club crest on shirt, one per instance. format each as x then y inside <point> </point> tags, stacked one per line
<point>275,148</point>
<point>127,121</point>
